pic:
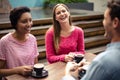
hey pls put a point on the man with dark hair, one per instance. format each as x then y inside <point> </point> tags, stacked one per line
<point>106,65</point>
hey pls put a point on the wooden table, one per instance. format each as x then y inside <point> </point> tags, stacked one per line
<point>56,71</point>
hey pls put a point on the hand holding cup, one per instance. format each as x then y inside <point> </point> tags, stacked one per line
<point>78,58</point>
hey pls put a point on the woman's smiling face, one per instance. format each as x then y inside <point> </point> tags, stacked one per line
<point>62,14</point>
<point>25,23</point>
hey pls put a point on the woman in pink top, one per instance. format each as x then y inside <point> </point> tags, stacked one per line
<point>63,40</point>
<point>18,50</point>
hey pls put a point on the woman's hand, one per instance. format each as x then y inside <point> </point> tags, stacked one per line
<point>69,57</point>
<point>23,70</point>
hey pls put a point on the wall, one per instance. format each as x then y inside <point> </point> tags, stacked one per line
<point>29,3</point>
<point>99,5</point>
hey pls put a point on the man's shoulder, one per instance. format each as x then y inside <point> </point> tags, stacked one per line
<point>108,61</point>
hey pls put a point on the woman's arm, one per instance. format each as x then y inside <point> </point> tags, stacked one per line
<point>23,70</point>
<point>4,71</point>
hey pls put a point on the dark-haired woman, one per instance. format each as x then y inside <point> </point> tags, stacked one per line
<point>18,49</point>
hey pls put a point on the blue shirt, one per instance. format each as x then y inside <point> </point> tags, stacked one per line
<point>106,66</point>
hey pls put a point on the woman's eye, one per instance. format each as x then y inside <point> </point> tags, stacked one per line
<point>58,13</point>
<point>24,21</point>
<point>63,11</point>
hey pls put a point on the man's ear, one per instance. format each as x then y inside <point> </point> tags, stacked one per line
<point>116,22</point>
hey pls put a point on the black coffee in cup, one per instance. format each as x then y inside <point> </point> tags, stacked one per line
<point>78,58</point>
<point>37,69</point>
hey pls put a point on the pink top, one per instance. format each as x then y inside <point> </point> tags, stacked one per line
<point>73,43</point>
<point>16,53</point>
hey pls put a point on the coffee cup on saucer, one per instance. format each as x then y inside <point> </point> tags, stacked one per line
<point>78,57</point>
<point>37,69</point>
